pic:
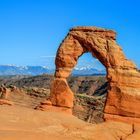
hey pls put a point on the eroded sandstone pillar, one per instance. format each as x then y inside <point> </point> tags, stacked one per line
<point>61,94</point>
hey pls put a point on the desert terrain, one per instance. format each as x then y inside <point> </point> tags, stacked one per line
<point>21,120</point>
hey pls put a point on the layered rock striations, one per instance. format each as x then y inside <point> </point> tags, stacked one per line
<point>123,100</point>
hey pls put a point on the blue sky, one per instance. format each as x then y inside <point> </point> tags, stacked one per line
<point>31,30</point>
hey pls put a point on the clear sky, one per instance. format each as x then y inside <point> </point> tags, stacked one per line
<point>31,30</point>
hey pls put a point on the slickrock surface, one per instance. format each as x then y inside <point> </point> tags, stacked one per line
<point>124,79</point>
<point>5,102</point>
<point>28,124</point>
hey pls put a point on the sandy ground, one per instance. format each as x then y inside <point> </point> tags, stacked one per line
<point>28,124</point>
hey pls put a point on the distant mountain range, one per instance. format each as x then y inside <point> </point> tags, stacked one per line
<point>38,70</point>
<point>86,71</point>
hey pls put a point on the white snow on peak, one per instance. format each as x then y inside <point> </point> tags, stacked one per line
<point>23,67</point>
<point>9,65</point>
<point>45,67</point>
<point>83,68</point>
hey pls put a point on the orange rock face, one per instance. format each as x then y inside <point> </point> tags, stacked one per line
<point>124,79</point>
<point>61,94</point>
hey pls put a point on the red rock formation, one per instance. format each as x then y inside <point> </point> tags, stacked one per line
<point>4,93</point>
<point>62,95</point>
<point>123,77</point>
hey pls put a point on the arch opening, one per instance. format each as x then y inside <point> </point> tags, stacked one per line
<point>88,76</point>
<point>88,65</point>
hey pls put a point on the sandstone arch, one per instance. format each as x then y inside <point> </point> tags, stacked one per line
<point>123,77</point>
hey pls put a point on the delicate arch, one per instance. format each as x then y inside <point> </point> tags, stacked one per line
<point>122,74</point>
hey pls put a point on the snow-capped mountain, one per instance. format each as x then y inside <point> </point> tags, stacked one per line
<point>24,70</point>
<point>38,70</point>
<point>87,71</point>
